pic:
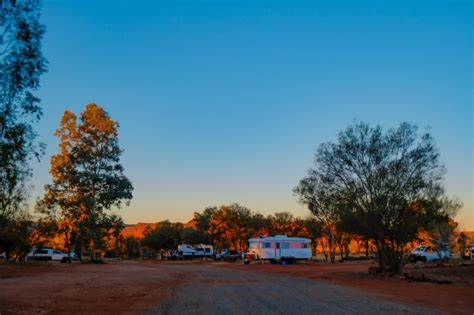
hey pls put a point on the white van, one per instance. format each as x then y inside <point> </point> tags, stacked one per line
<point>280,248</point>
<point>195,251</point>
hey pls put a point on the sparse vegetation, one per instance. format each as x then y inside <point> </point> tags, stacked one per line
<point>88,181</point>
<point>385,186</point>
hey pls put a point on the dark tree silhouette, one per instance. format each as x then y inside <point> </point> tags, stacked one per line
<point>21,65</point>
<point>382,185</point>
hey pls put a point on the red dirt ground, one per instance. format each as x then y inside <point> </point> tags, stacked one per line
<point>134,286</point>
<point>455,298</point>
<point>121,287</point>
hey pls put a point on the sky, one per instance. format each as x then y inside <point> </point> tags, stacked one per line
<point>227,101</point>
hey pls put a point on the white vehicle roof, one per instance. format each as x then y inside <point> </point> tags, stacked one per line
<point>195,246</point>
<point>279,238</point>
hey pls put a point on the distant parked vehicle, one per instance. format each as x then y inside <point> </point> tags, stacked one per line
<point>3,256</point>
<point>468,253</point>
<point>426,253</point>
<point>281,248</point>
<point>48,254</point>
<point>195,251</point>
<point>227,254</point>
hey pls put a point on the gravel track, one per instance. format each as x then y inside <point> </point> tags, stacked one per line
<point>216,290</point>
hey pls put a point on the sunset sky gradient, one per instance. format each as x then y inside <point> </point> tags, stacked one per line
<point>227,101</point>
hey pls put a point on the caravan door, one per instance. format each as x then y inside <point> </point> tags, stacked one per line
<point>277,250</point>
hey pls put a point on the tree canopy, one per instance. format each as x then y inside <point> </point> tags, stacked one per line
<point>21,65</point>
<point>88,179</point>
<point>383,185</point>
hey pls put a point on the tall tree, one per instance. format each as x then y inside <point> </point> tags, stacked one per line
<point>385,186</point>
<point>88,178</point>
<point>202,222</point>
<point>164,236</point>
<point>21,65</point>
<point>323,204</point>
<point>233,225</point>
<point>285,223</point>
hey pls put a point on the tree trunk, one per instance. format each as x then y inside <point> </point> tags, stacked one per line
<point>367,247</point>
<point>332,249</point>
<point>323,249</point>
<point>7,253</point>
<point>93,232</point>
<point>117,246</point>
<point>68,245</point>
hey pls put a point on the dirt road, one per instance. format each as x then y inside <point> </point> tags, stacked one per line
<point>226,291</point>
<point>130,287</point>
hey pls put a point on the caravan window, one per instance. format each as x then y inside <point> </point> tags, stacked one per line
<point>285,245</point>
<point>304,245</point>
<point>267,245</point>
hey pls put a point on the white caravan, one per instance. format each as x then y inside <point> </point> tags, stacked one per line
<point>195,251</point>
<point>281,248</point>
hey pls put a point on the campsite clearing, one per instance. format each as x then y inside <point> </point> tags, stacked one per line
<point>217,287</point>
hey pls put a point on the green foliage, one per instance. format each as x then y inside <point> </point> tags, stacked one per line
<point>15,236</point>
<point>192,236</point>
<point>384,186</point>
<point>230,226</point>
<point>202,222</point>
<point>284,223</point>
<point>21,65</point>
<point>132,247</point>
<point>88,178</point>
<point>164,236</point>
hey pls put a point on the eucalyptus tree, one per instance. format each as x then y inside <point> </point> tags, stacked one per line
<point>385,186</point>
<point>202,223</point>
<point>21,65</point>
<point>88,179</point>
<point>165,236</point>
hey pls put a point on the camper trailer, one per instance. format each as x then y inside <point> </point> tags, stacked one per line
<point>195,251</point>
<point>280,248</point>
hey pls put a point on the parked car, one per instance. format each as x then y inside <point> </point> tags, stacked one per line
<point>426,253</point>
<point>47,254</point>
<point>227,254</point>
<point>468,253</point>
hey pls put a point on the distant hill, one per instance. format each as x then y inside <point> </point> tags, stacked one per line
<point>468,233</point>
<point>138,230</point>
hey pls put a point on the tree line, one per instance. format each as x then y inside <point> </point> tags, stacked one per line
<point>226,227</point>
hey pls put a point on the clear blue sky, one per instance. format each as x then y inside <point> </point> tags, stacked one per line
<point>226,101</point>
